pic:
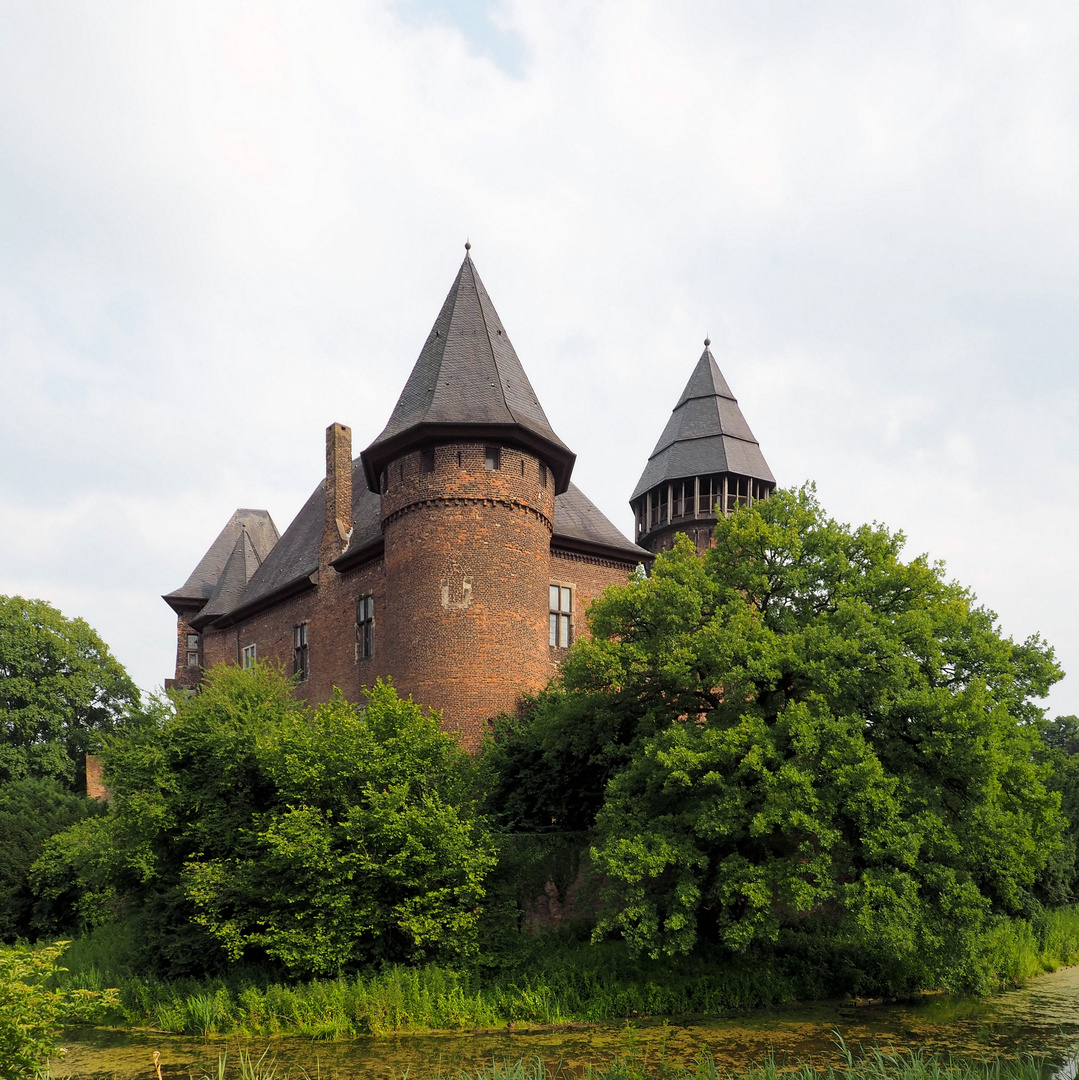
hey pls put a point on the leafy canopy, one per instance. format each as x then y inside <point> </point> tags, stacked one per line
<point>799,726</point>
<point>60,691</point>
<point>244,824</point>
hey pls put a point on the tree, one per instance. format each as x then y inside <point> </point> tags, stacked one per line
<point>32,1013</point>
<point>31,810</point>
<point>1060,879</point>
<point>800,728</point>
<point>243,824</point>
<point>60,691</point>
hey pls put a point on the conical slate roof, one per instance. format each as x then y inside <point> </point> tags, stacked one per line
<point>468,382</point>
<point>706,433</point>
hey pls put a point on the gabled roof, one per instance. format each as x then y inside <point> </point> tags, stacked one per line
<point>295,558</point>
<point>262,535</point>
<point>468,382</point>
<point>706,433</point>
<point>579,525</point>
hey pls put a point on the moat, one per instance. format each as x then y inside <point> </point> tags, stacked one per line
<point>1040,1019</point>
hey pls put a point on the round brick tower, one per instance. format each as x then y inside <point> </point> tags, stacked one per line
<point>467,469</point>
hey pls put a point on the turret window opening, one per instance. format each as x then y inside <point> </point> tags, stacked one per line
<point>427,461</point>
<point>192,650</point>
<point>737,493</point>
<point>658,501</point>
<point>561,628</point>
<point>492,457</point>
<point>543,475</point>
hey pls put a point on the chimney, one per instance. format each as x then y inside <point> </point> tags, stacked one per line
<point>338,491</point>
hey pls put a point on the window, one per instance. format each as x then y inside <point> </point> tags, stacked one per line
<point>365,626</point>
<point>492,457</point>
<point>192,650</point>
<point>561,612</point>
<point>248,656</point>
<point>382,482</point>
<point>543,475</point>
<point>427,461</point>
<point>299,651</point>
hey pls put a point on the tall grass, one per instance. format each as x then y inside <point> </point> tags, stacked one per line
<point>559,982</point>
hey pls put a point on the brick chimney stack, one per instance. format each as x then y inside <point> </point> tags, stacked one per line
<point>338,492</point>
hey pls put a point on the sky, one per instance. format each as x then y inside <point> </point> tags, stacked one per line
<point>224,226</point>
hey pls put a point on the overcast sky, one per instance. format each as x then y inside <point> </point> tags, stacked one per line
<point>225,225</point>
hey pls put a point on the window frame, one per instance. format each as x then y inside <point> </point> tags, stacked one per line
<point>301,657</point>
<point>560,611</point>
<point>249,656</point>
<point>365,626</point>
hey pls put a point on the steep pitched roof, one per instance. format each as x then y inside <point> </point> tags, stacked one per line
<point>295,558</point>
<point>580,525</point>
<point>468,381</point>
<point>706,433</point>
<point>262,535</point>
<point>231,586</point>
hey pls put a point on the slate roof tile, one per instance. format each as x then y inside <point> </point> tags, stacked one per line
<point>706,433</point>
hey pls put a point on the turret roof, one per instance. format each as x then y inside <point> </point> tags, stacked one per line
<point>468,382</point>
<point>200,585</point>
<point>706,433</point>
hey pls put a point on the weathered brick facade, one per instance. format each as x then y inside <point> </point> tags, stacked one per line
<point>454,555</point>
<point>430,560</point>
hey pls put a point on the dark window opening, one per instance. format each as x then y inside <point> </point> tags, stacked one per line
<point>299,652</point>
<point>365,627</point>
<point>492,457</point>
<point>543,475</point>
<point>427,461</point>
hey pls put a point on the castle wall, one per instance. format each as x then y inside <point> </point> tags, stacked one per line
<point>467,556</point>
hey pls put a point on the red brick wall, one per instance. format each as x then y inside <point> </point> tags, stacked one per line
<point>330,613</point>
<point>467,572</point>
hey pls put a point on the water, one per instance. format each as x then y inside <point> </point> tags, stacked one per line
<point>1041,1019</point>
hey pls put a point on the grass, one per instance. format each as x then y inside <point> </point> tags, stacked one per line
<point>558,981</point>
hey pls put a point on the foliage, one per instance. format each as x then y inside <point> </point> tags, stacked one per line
<point>60,690</point>
<point>1060,752</point>
<point>31,810</point>
<point>245,825</point>
<point>799,727</point>
<point>32,1014</point>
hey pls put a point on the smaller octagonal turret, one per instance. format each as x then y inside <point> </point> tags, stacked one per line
<point>706,463</point>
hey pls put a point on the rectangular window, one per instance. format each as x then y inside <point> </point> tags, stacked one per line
<point>492,457</point>
<point>248,655</point>
<point>192,641</point>
<point>299,652</point>
<point>427,461</point>
<point>365,626</point>
<point>561,616</point>
<point>543,475</point>
<point>192,650</point>
<point>192,659</point>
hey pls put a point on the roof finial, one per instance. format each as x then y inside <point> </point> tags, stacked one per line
<point>468,246</point>
<point>707,342</point>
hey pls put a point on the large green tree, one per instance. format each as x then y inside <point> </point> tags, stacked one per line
<point>60,691</point>
<point>799,727</point>
<point>244,824</point>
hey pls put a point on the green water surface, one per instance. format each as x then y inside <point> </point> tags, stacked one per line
<point>1041,1019</point>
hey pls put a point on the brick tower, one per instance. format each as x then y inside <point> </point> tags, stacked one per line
<point>468,469</point>
<point>706,463</point>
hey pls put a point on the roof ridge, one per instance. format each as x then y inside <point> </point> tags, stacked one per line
<point>490,342</point>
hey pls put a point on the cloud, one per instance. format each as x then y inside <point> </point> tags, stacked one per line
<point>223,226</point>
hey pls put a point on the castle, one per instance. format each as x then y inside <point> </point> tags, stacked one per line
<point>454,554</point>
